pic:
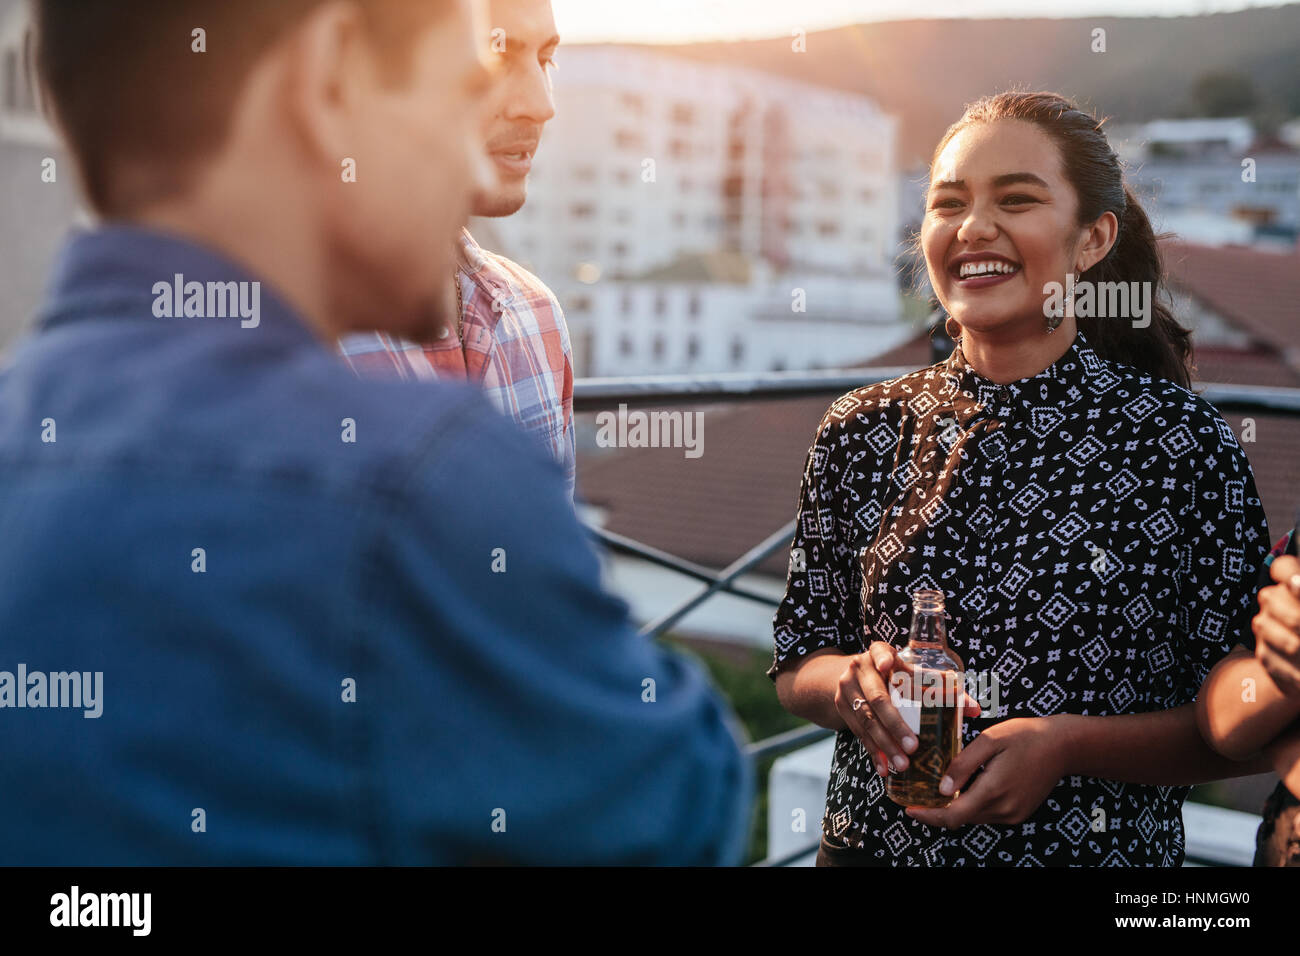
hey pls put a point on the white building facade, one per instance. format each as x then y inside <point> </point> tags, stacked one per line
<point>1212,181</point>
<point>652,160</point>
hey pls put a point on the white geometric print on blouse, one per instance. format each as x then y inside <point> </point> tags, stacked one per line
<point>1094,531</point>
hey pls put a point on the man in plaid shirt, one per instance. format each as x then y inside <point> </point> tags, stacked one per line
<point>510,338</point>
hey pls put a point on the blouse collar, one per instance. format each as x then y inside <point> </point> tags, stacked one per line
<point>1046,395</point>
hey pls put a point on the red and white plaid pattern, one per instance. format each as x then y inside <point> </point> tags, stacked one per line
<point>516,349</point>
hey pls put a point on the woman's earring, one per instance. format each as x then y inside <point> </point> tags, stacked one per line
<point>952,328</point>
<point>1055,319</point>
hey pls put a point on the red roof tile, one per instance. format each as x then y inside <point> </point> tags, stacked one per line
<point>1256,291</point>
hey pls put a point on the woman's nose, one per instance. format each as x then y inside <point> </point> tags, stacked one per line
<point>978,224</point>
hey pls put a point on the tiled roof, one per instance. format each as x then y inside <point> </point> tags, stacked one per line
<point>1256,291</point>
<point>714,508</point>
<point>1257,366</point>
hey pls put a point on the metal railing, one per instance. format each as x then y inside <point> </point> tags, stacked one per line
<point>601,394</point>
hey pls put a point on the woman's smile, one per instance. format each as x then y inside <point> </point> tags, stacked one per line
<point>980,270</point>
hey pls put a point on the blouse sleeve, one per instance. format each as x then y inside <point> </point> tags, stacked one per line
<point>821,608</point>
<point>1225,539</point>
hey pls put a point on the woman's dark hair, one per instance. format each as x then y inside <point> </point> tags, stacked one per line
<point>1164,347</point>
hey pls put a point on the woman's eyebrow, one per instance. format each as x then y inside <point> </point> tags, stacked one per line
<point>1010,179</point>
<point>1006,179</point>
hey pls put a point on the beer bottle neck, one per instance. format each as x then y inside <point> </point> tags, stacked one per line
<point>928,629</point>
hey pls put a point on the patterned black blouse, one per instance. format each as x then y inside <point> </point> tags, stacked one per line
<point>1095,532</point>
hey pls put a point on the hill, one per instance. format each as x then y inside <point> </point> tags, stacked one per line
<point>925,71</point>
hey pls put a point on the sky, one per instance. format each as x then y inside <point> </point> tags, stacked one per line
<point>675,21</point>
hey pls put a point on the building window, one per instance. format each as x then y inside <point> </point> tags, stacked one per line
<point>692,348</point>
<point>627,139</point>
<point>828,230</point>
<point>582,210</point>
<point>584,174</point>
<point>659,348</point>
<point>625,347</point>
<point>737,351</point>
<point>661,303</point>
<point>627,304</point>
<point>683,114</point>
<point>632,103</point>
<point>619,250</point>
<point>693,309</point>
<point>19,93</point>
<point>11,80</point>
<point>679,149</point>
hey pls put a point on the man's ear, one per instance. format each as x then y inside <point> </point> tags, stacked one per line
<point>328,73</point>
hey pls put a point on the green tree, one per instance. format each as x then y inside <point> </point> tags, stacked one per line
<point>1224,93</point>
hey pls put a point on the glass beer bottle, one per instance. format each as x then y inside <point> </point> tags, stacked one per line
<point>927,688</point>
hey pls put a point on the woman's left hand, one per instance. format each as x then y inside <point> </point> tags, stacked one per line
<point>1023,760</point>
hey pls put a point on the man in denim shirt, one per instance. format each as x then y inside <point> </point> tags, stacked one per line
<point>257,611</point>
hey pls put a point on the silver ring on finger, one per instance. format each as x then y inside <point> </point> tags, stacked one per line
<point>860,705</point>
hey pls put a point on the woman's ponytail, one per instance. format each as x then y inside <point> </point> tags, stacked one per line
<point>1158,345</point>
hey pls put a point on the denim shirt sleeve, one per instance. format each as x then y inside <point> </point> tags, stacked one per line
<point>518,717</point>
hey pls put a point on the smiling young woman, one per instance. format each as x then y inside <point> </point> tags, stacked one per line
<point>1029,182</point>
<point>1092,524</point>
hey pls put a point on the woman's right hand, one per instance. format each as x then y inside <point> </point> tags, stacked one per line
<point>876,721</point>
<point>1277,626</point>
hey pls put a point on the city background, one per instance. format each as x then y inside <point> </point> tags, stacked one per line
<point>745,206</point>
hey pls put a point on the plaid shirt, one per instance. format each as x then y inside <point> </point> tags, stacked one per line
<point>516,348</point>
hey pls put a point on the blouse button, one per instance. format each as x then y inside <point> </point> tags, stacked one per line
<point>1003,394</point>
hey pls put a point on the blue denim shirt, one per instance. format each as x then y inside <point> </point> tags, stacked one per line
<point>392,650</point>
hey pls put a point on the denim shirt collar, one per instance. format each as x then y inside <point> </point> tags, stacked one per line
<point>121,270</point>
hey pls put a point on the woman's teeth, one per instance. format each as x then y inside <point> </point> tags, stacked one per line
<point>969,269</point>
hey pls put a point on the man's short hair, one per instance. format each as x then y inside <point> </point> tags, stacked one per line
<point>126,84</point>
